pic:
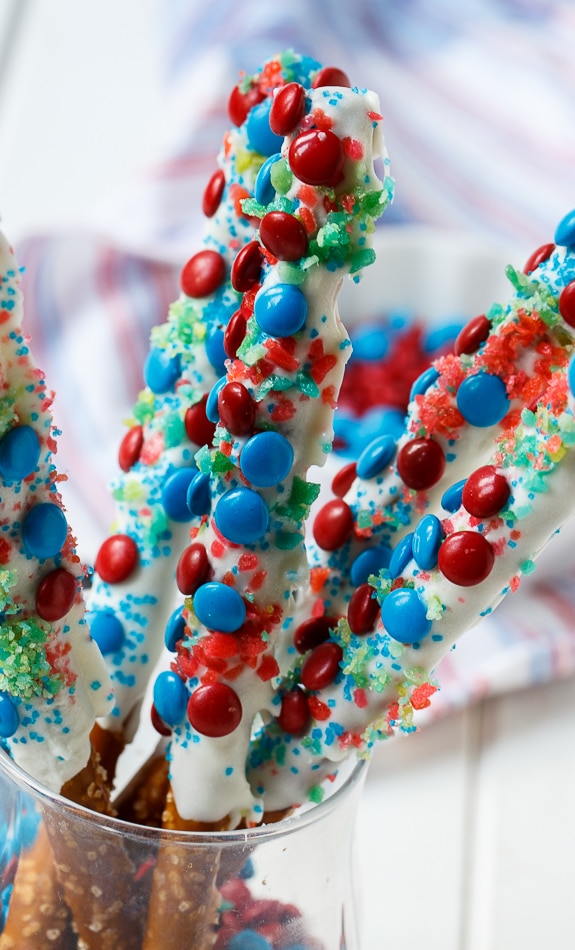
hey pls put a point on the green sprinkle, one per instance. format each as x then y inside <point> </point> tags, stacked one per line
<point>304,493</point>
<point>24,669</point>
<point>316,794</point>
<point>307,385</point>
<point>221,463</point>
<point>287,540</point>
<point>281,177</point>
<point>528,566</point>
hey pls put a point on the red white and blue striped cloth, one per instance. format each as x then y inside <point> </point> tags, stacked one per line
<point>479,106</point>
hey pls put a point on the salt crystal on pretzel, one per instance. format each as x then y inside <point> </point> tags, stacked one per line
<point>475,488</point>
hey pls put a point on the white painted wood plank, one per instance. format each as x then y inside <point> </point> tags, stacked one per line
<point>80,107</point>
<point>522,856</point>
<point>411,834</point>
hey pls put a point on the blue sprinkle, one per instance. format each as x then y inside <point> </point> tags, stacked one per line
<point>451,498</point>
<point>44,530</point>
<point>212,411</point>
<point>404,617</point>
<point>175,629</point>
<point>107,630</point>
<point>242,516</point>
<point>423,382</point>
<point>280,310</point>
<point>565,231</point>
<point>376,456</point>
<point>19,453</point>
<point>9,720</point>
<point>170,697</point>
<point>264,191</point>
<point>175,493</point>
<point>482,399</point>
<point>370,561</point>
<point>219,607</point>
<point>266,459</point>
<point>402,554</point>
<point>427,539</point>
<point>260,136</point>
<point>161,371</point>
<point>198,498</point>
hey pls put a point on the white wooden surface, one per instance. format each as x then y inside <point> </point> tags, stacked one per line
<point>466,833</point>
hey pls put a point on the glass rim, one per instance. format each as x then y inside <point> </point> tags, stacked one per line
<point>304,815</point>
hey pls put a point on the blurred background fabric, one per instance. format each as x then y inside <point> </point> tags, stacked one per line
<point>478,100</point>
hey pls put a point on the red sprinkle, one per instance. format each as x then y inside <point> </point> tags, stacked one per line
<point>283,235</point>
<point>213,193</point>
<point>466,558</point>
<point>199,429</point>
<point>56,594</point>
<point>287,108</point>
<point>214,710</point>
<point>247,267</point>
<point>333,525</point>
<point>193,569</point>
<point>116,559</point>
<point>203,273</point>
<point>321,666</point>
<point>130,448</point>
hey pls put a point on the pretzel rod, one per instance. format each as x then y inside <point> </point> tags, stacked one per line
<point>481,476</point>
<point>53,682</point>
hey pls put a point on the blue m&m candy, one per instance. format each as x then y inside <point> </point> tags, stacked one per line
<point>451,498</point>
<point>264,191</point>
<point>266,459</point>
<point>215,349</point>
<point>370,342</point>
<point>107,630</point>
<point>402,554</point>
<point>427,539</point>
<point>376,456</point>
<point>249,940</point>
<point>212,411</point>
<point>219,607</point>
<point>175,493</point>
<point>280,310</point>
<point>199,498</point>
<point>565,230</point>
<point>9,719</point>
<point>44,530</point>
<point>571,376</point>
<point>242,516</point>
<point>482,399</point>
<point>161,371</point>
<point>423,382</point>
<point>19,453</point>
<point>260,136</point>
<point>175,629</point>
<point>404,617</point>
<point>170,697</point>
<point>370,561</point>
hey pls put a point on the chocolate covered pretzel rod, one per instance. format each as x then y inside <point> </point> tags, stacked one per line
<point>473,491</point>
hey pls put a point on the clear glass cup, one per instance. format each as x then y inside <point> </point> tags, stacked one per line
<point>284,886</point>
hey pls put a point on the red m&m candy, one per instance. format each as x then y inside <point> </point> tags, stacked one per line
<point>485,492</point>
<point>363,609</point>
<point>283,235</point>
<point>193,569</point>
<point>199,429</point>
<point>567,303</point>
<point>203,273</point>
<point>540,255</point>
<point>473,334</point>
<point>316,157</point>
<point>344,479</point>
<point>236,408</point>
<point>214,710</point>
<point>130,448</point>
<point>312,632</point>
<point>56,594</point>
<point>247,267</point>
<point>321,666</point>
<point>421,463</point>
<point>330,76</point>
<point>116,559</point>
<point>213,193</point>
<point>234,334</point>
<point>287,108</point>
<point>294,713</point>
<point>240,103</point>
<point>466,558</point>
<point>333,525</point>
